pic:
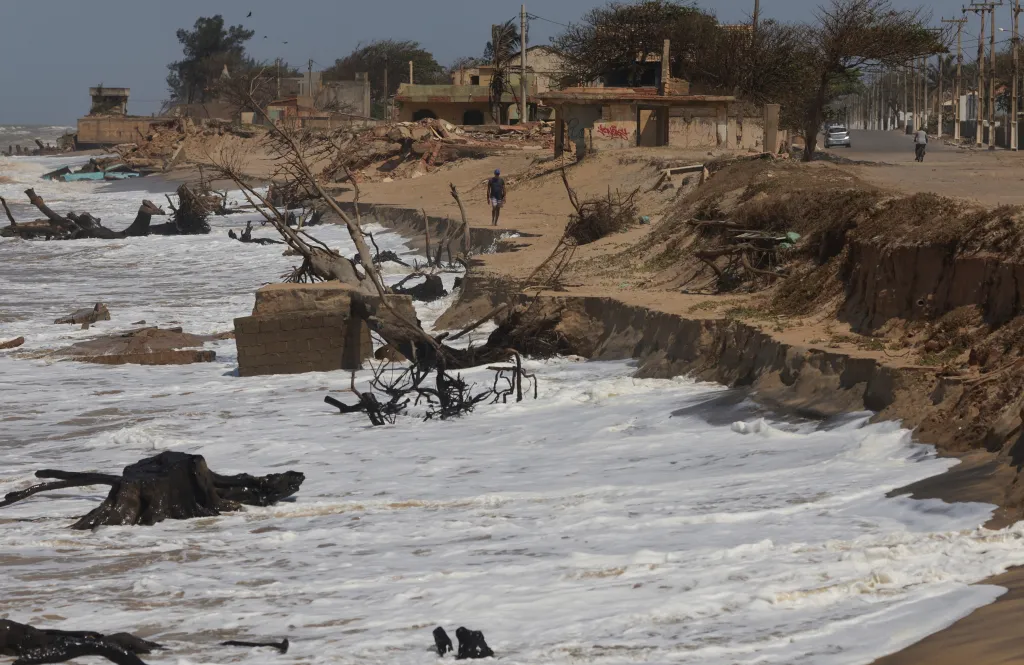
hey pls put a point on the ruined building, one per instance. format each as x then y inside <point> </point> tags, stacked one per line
<point>109,101</point>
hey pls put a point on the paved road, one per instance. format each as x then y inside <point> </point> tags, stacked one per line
<point>881,146</point>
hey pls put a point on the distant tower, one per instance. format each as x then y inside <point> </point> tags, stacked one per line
<point>109,101</point>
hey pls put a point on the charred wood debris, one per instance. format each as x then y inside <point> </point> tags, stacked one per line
<point>29,645</point>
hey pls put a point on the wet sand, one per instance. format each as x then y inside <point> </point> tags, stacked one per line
<point>991,635</point>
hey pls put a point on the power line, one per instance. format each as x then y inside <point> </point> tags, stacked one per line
<point>541,18</point>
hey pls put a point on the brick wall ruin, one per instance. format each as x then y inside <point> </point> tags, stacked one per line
<point>298,328</point>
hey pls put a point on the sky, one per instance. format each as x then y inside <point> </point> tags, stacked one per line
<point>52,52</point>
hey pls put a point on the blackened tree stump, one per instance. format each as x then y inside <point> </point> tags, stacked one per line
<point>34,645</point>
<point>171,485</point>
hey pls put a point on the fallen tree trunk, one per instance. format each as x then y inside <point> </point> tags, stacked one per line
<point>74,226</point>
<point>55,219</point>
<point>32,645</point>
<point>171,485</point>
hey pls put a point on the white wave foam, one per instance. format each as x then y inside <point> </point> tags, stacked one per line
<point>588,526</point>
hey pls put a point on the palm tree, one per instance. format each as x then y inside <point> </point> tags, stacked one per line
<point>503,45</point>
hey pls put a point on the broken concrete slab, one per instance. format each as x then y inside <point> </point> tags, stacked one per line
<point>146,346</point>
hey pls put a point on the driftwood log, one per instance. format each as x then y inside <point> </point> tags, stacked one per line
<point>431,289</point>
<point>34,645</point>
<point>190,215</point>
<point>247,237</point>
<point>281,646</point>
<point>97,312</point>
<point>171,485</point>
<point>12,343</point>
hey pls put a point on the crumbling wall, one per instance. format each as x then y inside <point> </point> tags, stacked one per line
<point>112,130</point>
<point>299,328</point>
<point>751,130</point>
<point>692,132</point>
<point>453,112</point>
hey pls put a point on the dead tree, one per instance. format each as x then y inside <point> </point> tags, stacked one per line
<point>171,485</point>
<point>32,645</point>
<point>73,226</point>
<point>194,207</point>
<point>444,395</point>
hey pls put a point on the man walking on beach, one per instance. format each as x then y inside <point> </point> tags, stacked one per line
<point>920,143</point>
<point>496,195</point>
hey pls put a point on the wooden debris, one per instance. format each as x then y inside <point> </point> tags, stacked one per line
<point>34,645</point>
<point>171,485</point>
<point>97,312</point>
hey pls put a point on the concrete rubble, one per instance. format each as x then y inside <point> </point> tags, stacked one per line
<point>145,346</point>
<point>412,149</point>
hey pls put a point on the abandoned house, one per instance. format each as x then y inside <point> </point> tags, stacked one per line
<point>467,101</point>
<point>312,91</point>
<point>661,114</point>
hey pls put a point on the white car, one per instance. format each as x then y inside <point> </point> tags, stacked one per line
<point>837,135</point>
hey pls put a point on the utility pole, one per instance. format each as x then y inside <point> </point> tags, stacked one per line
<point>524,108</point>
<point>913,68</point>
<point>757,14</point>
<point>992,78</point>
<point>941,100</point>
<point>1014,111</point>
<point>980,9</point>
<point>906,103</point>
<point>410,72</point>
<point>309,83</point>
<point>879,96</point>
<point>925,107</point>
<point>278,63</point>
<point>958,86</point>
<point>387,105</point>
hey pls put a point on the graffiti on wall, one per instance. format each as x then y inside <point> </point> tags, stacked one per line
<point>613,132</point>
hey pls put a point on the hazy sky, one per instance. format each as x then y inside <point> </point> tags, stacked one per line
<point>52,52</point>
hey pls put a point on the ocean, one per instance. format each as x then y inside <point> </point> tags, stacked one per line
<point>612,520</point>
<point>25,135</point>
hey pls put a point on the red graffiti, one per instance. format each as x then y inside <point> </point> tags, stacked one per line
<point>613,132</point>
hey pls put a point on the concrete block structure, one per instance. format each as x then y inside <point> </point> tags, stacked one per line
<point>297,328</point>
<point>109,101</point>
<point>104,130</point>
